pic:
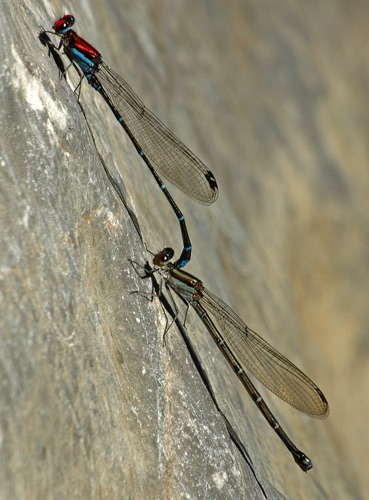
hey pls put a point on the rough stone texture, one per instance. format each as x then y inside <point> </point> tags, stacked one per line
<point>273,97</point>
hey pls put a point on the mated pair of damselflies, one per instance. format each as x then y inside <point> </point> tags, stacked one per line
<point>160,149</point>
<point>243,348</point>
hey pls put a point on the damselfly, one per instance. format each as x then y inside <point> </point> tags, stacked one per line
<point>156,144</point>
<point>244,350</point>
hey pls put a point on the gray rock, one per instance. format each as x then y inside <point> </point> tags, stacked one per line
<point>93,404</point>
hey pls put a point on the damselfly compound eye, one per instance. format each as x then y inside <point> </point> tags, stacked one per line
<point>64,24</point>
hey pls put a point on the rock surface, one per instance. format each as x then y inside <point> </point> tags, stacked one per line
<point>273,97</point>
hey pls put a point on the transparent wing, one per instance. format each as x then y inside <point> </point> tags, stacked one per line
<point>266,364</point>
<point>164,150</point>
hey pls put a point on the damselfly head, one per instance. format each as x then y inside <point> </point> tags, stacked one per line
<point>162,258</point>
<point>64,24</point>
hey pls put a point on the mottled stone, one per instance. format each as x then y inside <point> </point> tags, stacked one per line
<point>273,97</point>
